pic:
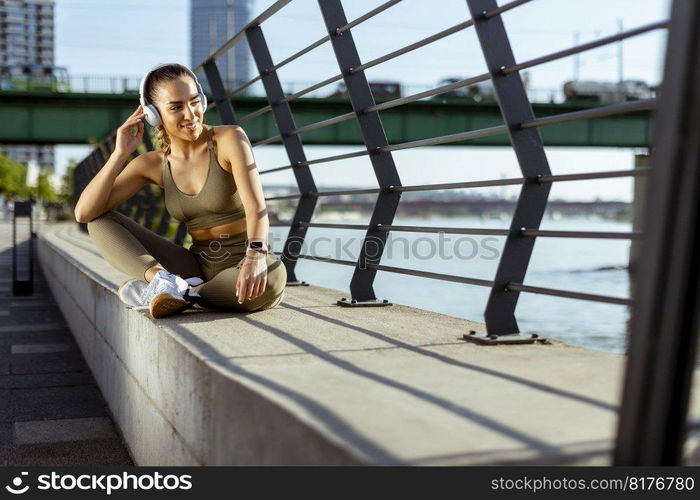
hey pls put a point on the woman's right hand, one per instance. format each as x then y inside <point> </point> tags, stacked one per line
<point>126,140</point>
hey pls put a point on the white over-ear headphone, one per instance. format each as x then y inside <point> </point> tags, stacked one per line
<point>152,116</point>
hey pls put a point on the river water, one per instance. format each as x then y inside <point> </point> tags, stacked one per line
<point>587,265</point>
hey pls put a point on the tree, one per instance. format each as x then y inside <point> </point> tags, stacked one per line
<point>13,178</point>
<point>44,189</point>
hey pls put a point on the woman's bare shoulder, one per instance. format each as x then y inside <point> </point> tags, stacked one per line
<point>227,140</point>
<point>226,131</point>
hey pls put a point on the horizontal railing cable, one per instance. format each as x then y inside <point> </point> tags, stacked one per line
<point>300,53</point>
<point>255,113</point>
<point>285,197</point>
<point>316,86</point>
<point>326,259</point>
<point>318,160</point>
<point>367,16</point>
<point>247,84</point>
<point>269,140</point>
<point>427,274</point>
<point>444,139</point>
<point>347,191</point>
<point>519,287</point>
<point>448,230</point>
<point>594,175</point>
<point>588,114</point>
<point>416,45</point>
<point>585,46</point>
<point>276,169</point>
<point>323,123</point>
<point>333,225</point>
<point>459,185</point>
<point>428,93</point>
<point>504,8</point>
<point>327,159</point>
<point>421,187</point>
<point>580,234</point>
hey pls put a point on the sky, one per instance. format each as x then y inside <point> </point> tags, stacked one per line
<point>126,37</point>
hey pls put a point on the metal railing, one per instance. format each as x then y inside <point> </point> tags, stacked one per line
<point>522,127</point>
<point>519,122</point>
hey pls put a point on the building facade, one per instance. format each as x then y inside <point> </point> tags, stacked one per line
<point>212,23</point>
<point>27,47</point>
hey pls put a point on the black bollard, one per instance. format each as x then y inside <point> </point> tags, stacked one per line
<point>22,287</point>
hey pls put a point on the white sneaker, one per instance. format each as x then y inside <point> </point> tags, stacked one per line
<point>131,291</point>
<point>164,294</point>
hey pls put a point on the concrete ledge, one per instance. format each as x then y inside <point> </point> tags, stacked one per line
<point>309,382</point>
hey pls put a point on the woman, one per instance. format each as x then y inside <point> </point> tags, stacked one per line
<point>210,182</point>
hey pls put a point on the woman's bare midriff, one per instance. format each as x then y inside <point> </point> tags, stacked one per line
<point>219,232</point>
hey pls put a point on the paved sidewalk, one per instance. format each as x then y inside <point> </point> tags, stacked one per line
<point>51,410</point>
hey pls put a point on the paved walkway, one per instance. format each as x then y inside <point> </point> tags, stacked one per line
<point>51,411</point>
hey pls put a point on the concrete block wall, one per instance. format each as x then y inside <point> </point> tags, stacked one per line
<point>171,405</point>
<point>309,382</point>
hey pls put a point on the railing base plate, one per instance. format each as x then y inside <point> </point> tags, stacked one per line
<point>482,338</point>
<point>363,303</point>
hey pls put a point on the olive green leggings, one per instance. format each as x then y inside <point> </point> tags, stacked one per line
<point>132,249</point>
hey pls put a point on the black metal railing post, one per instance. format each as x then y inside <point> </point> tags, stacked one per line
<point>284,119</point>
<point>532,160</point>
<point>222,101</point>
<point>372,130</point>
<point>22,287</point>
<point>666,314</point>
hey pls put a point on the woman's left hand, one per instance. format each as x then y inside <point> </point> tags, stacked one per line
<point>252,279</point>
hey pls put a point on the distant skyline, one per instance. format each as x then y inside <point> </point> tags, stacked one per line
<point>124,38</point>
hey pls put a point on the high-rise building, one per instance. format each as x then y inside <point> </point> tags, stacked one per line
<point>27,48</point>
<point>212,23</point>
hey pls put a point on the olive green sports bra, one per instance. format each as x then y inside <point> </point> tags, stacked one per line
<point>217,203</point>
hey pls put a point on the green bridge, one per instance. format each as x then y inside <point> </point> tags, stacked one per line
<point>78,118</point>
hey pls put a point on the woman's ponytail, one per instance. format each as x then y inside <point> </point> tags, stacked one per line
<point>163,139</point>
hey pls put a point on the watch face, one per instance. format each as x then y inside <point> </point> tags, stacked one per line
<point>256,244</point>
